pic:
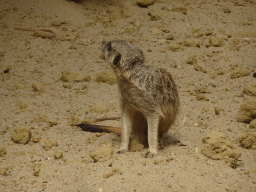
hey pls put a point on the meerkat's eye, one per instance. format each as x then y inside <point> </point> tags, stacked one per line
<point>117,59</point>
<point>108,46</point>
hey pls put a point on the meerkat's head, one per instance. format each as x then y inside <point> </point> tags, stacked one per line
<point>111,55</point>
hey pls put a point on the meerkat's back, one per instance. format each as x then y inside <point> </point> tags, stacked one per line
<point>151,90</point>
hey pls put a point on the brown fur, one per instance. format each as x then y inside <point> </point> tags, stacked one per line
<point>148,96</point>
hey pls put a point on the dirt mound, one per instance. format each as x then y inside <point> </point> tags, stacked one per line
<point>218,147</point>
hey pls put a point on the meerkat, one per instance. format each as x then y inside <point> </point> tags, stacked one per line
<point>148,96</point>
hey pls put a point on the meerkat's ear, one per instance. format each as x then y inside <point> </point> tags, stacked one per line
<point>108,46</point>
<point>117,59</point>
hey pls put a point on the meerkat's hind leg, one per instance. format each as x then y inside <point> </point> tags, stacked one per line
<point>164,126</point>
<point>161,142</point>
<point>126,131</point>
<point>153,122</point>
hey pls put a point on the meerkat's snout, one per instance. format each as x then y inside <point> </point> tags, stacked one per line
<point>106,46</point>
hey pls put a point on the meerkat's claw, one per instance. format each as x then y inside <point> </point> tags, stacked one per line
<point>150,154</point>
<point>121,151</point>
<point>161,141</point>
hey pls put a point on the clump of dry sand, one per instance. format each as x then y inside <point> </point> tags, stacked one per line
<point>218,147</point>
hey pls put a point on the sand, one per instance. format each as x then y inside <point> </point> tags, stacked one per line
<point>54,76</point>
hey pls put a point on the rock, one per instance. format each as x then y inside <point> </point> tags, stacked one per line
<point>104,19</point>
<point>59,22</point>
<point>2,171</point>
<point>98,108</point>
<point>83,78</point>
<point>190,43</point>
<point>208,31</point>
<point>106,77</point>
<point>169,37</point>
<point>74,121</point>
<point>175,48</point>
<point>250,89</point>
<point>218,72</point>
<point>204,89</point>
<point>135,146</point>
<point>248,140</point>
<point>155,15</point>
<point>197,32</point>
<point>3,131</point>
<point>1,54</point>
<point>252,124</point>
<point>103,154</point>
<point>102,56</point>
<point>216,41</point>
<point>81,88</point>
<point>85,161</point>
<point>247,111</point>
<point>191,60</point>
<point>222,31</point>
<point>95,136</point>
<point>38,87</point>
<point>21,135</point>
<point>58,154</point>
<point>145,3</point>
<point>67,85</point>
<point>155,31</point>
<point>68,76</point>
<point>180,10</point>
<point>205,109</point>
<point>234,44</point>
<point>18,86</point>
<point>201,97</point>
<point>22,104</point>
<point>111,172</point>
<point>36,172</point>
<point>53,122</point>
<point>238,72</point>
<point>2,151</point>
<point>72,47</point>
<point>254,74</point>
<point>124,12</point>
<point>216,111</point>
<point>40,34</point>
<point>89,120</point>
<point>41,118</point>
<point>226,9</point>
<point>5,70</point>
<point>36,138</point>
<point>49,144</point>
<point>218,147</point>
<point>165,29</point>
<point>199,68</point>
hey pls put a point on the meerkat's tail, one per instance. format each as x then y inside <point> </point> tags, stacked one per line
<point>99,128</point>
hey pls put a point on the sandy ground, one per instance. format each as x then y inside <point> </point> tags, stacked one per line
<point>33,94</point>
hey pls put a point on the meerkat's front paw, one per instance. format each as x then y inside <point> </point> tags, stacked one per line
<point>150,154</point>
<point>121,151</point>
